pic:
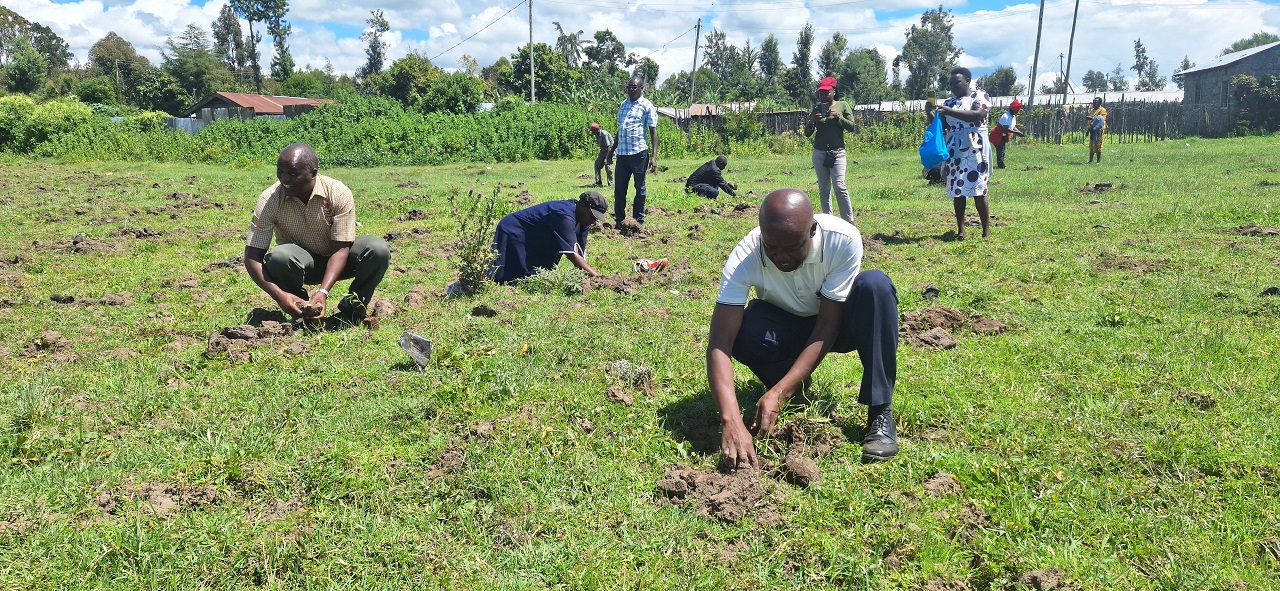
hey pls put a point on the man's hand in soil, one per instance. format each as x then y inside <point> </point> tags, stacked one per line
<point>767,412</point>
<point>737,446</point>
<point>292,304</point>
<point>316,307</point>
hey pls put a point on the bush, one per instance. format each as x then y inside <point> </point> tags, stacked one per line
<point>477,217</point>
<point>565,280</point>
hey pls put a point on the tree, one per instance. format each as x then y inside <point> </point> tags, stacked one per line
<point>408,79</point>
<point>717,53</point>
<point>1058,86</point>
<point>282,64</point>
<point>456,93</point>
<point>310,83</point>
<point>26,69</point>
<point>929,54</point>
<point>258,11</point>
<point>376,52</point>
<point>49,45</point>
<point>1254,40</point>
<point>1117,80</point>
<point>193,64</point>
<point>469,64</point>
<point>1095,81</point>
<point>155,90</point>
<point>798,81</point>
<point>569,45</point>
<point>647,69</point>
<point>1186,64</point>
<point>1002,82</point>
<point>770,61</point>
<point>861,76</point>
<point>491,73</point>
<point>1140,60</point>
<point>555,78</point>
<point>228,40</point>
<point>606,54</point>
<point>1147,69</point>
<point>99,89</point>
<point>831,56</point>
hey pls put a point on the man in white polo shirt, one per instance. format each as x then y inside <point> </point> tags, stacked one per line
<point>811,299</point>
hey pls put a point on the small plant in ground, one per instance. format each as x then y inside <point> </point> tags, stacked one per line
<point>477,215</point>
<point>562,280</point>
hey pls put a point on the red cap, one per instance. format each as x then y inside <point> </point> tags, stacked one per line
<point>1015,105</point>
<point>827,83</point>
<point>595,127</point>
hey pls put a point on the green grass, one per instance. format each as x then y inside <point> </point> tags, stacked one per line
<point>1125,431</point>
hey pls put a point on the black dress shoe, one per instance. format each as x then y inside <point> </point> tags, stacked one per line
<point>880,442</point>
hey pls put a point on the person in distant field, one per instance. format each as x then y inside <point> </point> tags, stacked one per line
<point>1005,129</point>
<point>313,219</point>
<point>964,120</point>
<point>707,180</point>
<point>1097,129</point>
<point>535,238</point>
<point>635,155</point>
<point>827,124</point>
<point>812,298</point>
<point>605,141</point>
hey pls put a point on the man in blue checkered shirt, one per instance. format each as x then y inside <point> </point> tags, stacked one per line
<point>635,115</point>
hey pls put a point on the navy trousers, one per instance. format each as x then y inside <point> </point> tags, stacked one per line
<point>771,338</point>
<point>631,165</point>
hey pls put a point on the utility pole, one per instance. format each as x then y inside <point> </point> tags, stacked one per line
<point>693,76</point>
<point>1035,61</point>
<point>532,98</point>
<point>1070,46</point>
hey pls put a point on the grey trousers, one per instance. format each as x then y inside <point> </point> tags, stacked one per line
<point>290,266</point>
<point>829,178</point>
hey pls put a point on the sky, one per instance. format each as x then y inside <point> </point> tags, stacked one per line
<point>991,32</point>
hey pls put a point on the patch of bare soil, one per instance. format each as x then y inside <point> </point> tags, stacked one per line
<point>400,234</point>
<point>1134,265</point>
<point>1031,168</point>
<point>1049,579</point>
<point>809,437</point>
<point>122,353</point>
<point>450,460</point>
<point>159,498</point>
<point>483,311</point>
<point>972,520</point>
<point>235,262</point>
<point>49,342</point>
<point>742,209</point>
<point>179,343</point>
<point>379,309</point>
<point>179,202</point>
<point>764,180</point>
<point>16,524</point>
<point>409,185</point>
<point>416,298</point>
<point>943,484</point>
<point>726,497</point>
<point>139,233</point>
<point>586,425</point>
<point>1096,188</point>
<point>414,215</point>
<point>1196,399</point>
<point>1256,230</point>
<point>929,328</point>
<point>523,198</point>
<point>236,342</point>
<point>679,179</point>
<point>617,393</point>
<point>274,511</point>
<point>941,583</point>
<point>585,176</point>
<point>79,244</point>
<point>11,260</point>
<point>632,229</point>
<point>617,283</point>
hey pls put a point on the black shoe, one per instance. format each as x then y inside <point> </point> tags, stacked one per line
<point>351,310</point>
<point>880,442</point>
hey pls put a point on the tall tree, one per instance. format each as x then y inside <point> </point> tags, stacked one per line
<point>929,54</point>
<point>607,53</point>
<point>25,69</point>
<point>798,81</point>
<point>555,78</point>
<point>1058,86</point>
<point>831,55</point>
<point>52,48</point>
<point>1095,81</point>
<point>282,62</point>
<point>647,69</point>
<point>228,39</point>
<point>717,53</point>
<point>771,65</point>
<point>861,76</point>
<point>193,64</point>
<point>570,45</point>
<point>376,52</point>
<point>1147,69</point>
<point>1186,64</point>
<point>408,78</point>
<point>258,11</point>
<point>1254,40</point>
<point>1002,82</point>
<point>1117,80</point>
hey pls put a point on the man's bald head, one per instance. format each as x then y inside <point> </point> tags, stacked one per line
<point>300,155</point>
<point>787,227</point>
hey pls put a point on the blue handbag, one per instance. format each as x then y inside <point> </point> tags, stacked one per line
<point>933,150</point>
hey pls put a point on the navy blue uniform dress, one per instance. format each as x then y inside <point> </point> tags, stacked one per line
<point>535,238</point>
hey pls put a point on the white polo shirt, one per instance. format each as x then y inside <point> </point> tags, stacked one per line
<point>835,257</point>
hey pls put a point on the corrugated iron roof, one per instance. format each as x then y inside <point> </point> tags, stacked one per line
<point>261,104</point>
<point>1228,59</point>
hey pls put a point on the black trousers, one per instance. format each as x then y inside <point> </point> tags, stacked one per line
<point>771,338</point>
<point>631,165</point>
<point>290,266</point>
<point>1000,154</point>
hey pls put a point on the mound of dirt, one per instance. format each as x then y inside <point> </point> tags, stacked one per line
<point>943,484</point>
<point>1049,579</point>
<point>414,215</point>
<point>632,229</point>
<point>679,179</point>
<point>617,393</point>
<point>801,471</point>
<point>409,185</point>
<point>1135,265</point>
<point>929,328</point>
<point>235,262</point>
<point>1095,189</point>
<point>941,583</point>
<point>726,497</point>
<point>483,311</point>
<point>1256,230</point>
<point>49,341</point>
<point>416,298</point>
<point>809,437</point>
<point>523,198</point>
<point>934,338</point>
<point>139,233</point>
<point>379,309</point>
<point>617,283</point>
<point>237,341</point>
<point>160,498</point>
<point>1196,399</point>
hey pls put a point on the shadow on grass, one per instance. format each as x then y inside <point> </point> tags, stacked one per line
<point>899,238</point>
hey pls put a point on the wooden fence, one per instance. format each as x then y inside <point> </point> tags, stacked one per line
<point>1127,122</point>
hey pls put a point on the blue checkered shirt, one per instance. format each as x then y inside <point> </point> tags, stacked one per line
<point>634,117</point>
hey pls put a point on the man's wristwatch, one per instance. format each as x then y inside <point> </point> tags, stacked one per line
<point>323,291</point>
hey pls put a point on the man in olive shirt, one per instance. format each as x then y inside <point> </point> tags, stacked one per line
<point>313,219</point>
<point>827,124</point>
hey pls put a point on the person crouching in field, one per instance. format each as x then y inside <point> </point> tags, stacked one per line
<point>313,219</point>
<point>964,120</point>
<point>812,297</point>
<point>1005,129</point>
<point>1097,129</point>
<point>707,180</point>
<point>535,237</point>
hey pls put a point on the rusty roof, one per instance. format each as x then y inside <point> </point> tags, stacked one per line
<point>261,104</point>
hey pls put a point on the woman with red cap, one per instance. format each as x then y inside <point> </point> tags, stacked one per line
<point>827,124</point>
<point>1005,128</point>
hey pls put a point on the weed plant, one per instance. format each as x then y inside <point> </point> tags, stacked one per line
<point>477,216</point>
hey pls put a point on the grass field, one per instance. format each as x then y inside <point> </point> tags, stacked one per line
<point>1123,434</point>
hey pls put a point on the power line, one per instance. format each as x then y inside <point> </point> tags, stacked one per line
<point>495,21</point>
